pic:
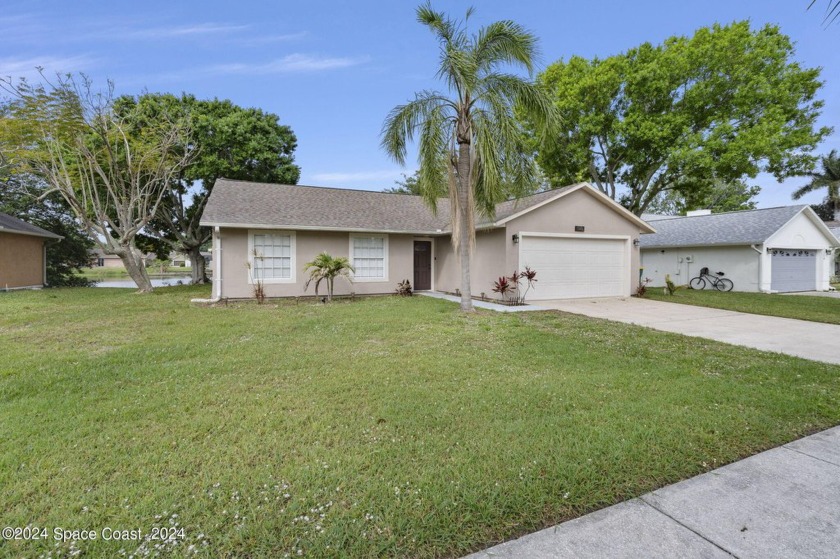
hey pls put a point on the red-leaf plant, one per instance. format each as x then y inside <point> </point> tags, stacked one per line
<point>510,289</point>
<point>530,276</point>
<point>504,288</point>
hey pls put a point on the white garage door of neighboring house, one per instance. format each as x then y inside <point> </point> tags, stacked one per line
<point>793,270</point>
<point>576,267</point>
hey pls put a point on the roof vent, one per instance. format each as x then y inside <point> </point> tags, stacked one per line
<point>694,213</point>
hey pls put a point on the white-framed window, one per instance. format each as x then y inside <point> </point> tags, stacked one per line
<point>271,255</point>
<point>369,257</point>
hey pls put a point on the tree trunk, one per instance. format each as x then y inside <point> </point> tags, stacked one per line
<point>135,265</point>
<point>464,245</point>
<point>199,266</point>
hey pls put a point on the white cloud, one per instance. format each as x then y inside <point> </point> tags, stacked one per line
<point>358,176</point>
<point>27,67</point>
<point>270,39</point>
<point>192,30</point>
<point>293,63</point>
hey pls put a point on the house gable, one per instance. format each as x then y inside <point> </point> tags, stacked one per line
<point>804,230</point>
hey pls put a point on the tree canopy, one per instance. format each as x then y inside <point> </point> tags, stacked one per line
<point>227,141</point>
<point>111,168</point>
<point>720,197</point>
<point>724,104</point>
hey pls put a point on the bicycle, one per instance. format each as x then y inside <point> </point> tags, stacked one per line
<point>717,281</point>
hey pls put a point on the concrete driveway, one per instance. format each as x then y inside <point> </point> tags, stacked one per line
<point>810,340</point>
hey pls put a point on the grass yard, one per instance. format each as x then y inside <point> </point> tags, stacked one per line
<point>378,427</point>
<point>803,307</point>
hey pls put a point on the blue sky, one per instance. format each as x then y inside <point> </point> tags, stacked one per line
<point>333,70</point>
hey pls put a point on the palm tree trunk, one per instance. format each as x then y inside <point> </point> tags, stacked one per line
<point>464,246</point>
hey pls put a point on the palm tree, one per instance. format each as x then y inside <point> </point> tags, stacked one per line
<point>470,144</point>
<point>832,11</point>
<point>326,268</point>
<point>828,178</point>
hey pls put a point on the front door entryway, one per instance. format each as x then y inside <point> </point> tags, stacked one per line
<point>422,265</point>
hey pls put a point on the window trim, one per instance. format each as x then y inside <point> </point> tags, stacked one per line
<point>385,256</point>
<point>292,249</point>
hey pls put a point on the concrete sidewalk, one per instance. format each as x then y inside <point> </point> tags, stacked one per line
<point>800,338</point>
<point>783,503</point>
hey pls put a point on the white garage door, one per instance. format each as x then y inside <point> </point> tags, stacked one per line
<point>793,270</point>
<point>574,267</point>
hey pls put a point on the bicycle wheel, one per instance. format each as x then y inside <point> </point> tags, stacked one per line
<point>697,283</point>
<point>724,284</point>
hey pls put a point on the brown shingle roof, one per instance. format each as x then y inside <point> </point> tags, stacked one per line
<point>9,224</point>
<point>242,203</point>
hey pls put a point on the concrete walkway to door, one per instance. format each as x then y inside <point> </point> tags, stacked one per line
<point>810,340</point>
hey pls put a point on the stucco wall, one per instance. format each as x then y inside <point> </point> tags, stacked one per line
<point>21,261</point>
<point>561,216</point>
<point>235,282</point>
<point>739,263</point>
<point>487,264</point>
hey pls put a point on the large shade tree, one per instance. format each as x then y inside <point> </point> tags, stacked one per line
<point>828,178</point>
<point>227,141</point>
<point>717,107</point>
<point>111,169</point>
<point>470,145</point>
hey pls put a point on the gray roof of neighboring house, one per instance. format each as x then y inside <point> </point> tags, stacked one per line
<point>731,228</point>
<point>9,224</point>
<point>243,203</point>
<point>657,217</point>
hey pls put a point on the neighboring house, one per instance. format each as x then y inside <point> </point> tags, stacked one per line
<point>770,250</point>
<point>181,260</point>
<point>580,242</point>
<point>99,259</point>
<point>23,254</point>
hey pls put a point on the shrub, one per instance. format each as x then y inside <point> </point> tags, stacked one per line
<point>404,288</point>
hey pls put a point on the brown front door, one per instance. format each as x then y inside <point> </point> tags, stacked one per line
<point>422,265</point>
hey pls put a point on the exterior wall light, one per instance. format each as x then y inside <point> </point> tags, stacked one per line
<point>635,242</point>
<point>515,238</point>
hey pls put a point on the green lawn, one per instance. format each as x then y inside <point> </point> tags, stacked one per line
<point>803,307</point>
<point>377,427</point>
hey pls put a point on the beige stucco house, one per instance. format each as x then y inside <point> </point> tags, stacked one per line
<point>23,256</point>
<point>580,242</point>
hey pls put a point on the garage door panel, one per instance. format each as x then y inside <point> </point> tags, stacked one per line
<point>793,270</point>
<point>576,267</point>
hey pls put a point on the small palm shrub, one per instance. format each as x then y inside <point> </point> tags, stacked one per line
<point>670,287</point>
<point>325,268</point>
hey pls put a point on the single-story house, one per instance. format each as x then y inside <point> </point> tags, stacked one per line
<point>181,260</point>
<point>100,259</point>
<point>23,254</point>
<point>579,241</point>
<point>769,250</point>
